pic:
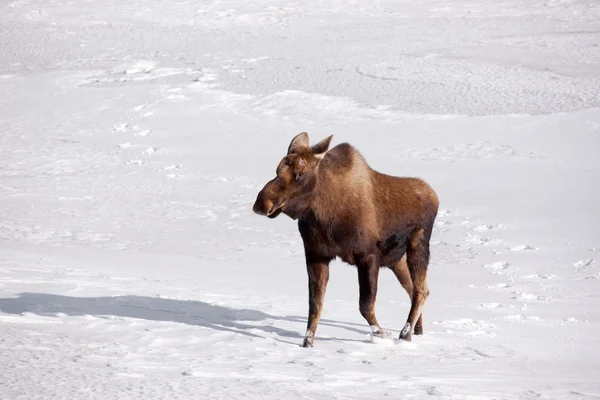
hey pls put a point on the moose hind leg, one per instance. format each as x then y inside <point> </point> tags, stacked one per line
<point>403,275</point>
<point>368,274</point>
<point>318,276</point>
<point>417,260</point>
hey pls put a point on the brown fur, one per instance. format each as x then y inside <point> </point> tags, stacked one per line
<point>346,209</point>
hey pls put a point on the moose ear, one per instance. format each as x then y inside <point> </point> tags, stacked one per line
<point>320,148</point>
<point>298,142</point>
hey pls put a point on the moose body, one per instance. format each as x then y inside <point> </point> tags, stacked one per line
<point>346,209</point>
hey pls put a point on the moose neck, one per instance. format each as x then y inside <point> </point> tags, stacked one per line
<point>342,190</point>
<point>327,200</point>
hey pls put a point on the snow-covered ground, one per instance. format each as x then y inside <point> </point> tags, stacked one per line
<point>135,135</point>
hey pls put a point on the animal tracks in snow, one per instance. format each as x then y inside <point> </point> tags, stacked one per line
<point>515,291</point>
<point>478,237</point>
<point>583,264</point>
<point>173,85</point>
<point>141,108</point>
<point>145,71</point>
<point>467,327</point>
<point>486,228</point>
<point>493,306</point>
<point>467,151</point>
<point>523,296</point>
<point>522,247</point>
<point>497,267</point>
<point>123,127</point>
<point>144,150</point>
<point>150,150</point>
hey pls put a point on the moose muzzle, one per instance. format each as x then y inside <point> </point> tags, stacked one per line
<point>265,204</point>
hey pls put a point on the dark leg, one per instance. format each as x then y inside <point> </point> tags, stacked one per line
<point>318,276</point>
<point>403,275</point>
<point>417,260</point>
<point>368,273</point>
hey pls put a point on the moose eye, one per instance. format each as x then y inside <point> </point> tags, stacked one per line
<point>299,175</point>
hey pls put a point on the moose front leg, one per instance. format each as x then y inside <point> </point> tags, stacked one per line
<point>368,274</point>
<point>318,276</point>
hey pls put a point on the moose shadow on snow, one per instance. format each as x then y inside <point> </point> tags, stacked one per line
<point>242,321</point>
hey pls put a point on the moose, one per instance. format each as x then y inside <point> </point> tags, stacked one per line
<point>346,209</point>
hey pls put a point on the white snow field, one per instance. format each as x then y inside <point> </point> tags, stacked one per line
<point>135,136</point>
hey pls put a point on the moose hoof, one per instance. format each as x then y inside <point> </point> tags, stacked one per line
<point>407,338</point>
<point>418,330</point>
<point>381,337</point>
<point>309,338</point>
<point>382,334</point>
<point>405,333</point>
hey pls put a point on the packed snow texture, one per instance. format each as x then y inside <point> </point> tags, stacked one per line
<point>135,135</point>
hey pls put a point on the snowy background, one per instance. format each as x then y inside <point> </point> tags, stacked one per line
<point>135,135</point>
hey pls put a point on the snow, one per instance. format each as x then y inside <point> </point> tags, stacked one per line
<point>134,137</point>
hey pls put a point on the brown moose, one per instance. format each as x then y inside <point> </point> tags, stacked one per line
<point>346,209</point>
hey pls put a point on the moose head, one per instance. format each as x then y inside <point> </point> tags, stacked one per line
<point>296,175</point>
